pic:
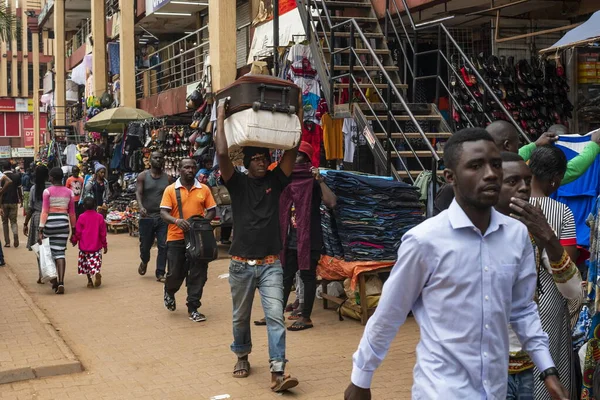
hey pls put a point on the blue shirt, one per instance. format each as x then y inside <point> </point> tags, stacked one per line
<point>464,288</point>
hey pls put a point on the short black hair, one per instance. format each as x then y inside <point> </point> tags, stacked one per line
<point>89,203</point>
<point>57,174</point>
<point>509,156</point>
<point>6,166</point>
<point>454,145</point>
<point>547,162</point>
<point>187,159</point>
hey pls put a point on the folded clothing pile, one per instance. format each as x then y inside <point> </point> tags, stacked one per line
<point>331,239</point>
<point>372,215</point>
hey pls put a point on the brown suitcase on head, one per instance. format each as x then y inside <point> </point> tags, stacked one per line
<point>261,92</point>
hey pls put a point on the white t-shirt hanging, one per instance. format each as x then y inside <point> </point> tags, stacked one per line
<point>350,131</point>
<point>71,153</point>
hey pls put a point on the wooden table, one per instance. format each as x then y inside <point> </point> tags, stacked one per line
<point>365,312</point>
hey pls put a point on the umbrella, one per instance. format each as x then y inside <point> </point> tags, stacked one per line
<point>116,119</point>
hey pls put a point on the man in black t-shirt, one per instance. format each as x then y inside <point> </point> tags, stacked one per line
<point>11,198</point>
<point>255,251</point>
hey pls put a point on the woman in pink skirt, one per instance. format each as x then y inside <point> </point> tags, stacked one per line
<point>91,236</point>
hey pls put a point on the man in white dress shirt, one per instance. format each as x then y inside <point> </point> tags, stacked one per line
<point>465,274</point>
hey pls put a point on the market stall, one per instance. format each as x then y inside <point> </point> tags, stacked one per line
<point>362,236</point>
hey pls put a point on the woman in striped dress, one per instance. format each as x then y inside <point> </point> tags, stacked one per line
<point>30,229</point>
<point>58,212</point>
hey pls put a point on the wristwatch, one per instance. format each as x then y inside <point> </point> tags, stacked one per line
<point>548,372</point>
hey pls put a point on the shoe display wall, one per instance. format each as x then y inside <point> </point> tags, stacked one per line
<point>534,92</point>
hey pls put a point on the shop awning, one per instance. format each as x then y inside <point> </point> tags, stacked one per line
<point>585,33</point>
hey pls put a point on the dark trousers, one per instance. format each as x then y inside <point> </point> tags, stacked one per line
<point>78,209</point>
<point>309,278</point>
<point>180,269</point>
<point>225,233</point>
<point>149,229</point>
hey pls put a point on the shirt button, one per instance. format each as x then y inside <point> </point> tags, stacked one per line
<point>485,269</point>
<point>486,298</point>
<point>485,354</point>
<point>485,382</point>
<point>487,326</point>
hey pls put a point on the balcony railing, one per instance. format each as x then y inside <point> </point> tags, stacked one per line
<point>179,64</point>
<point>80,37</point>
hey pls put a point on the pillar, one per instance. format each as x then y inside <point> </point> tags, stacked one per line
<point>60,88</point>
<point>32,23</point>
<point>3,71</point>
<point>127,53</point>
<point>47,47</point>
<point>25,58</point>
<point>222,28</point>
<point>99,49</point>
<point>14,62</point>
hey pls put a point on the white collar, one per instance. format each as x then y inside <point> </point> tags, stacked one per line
<point>178,184</point>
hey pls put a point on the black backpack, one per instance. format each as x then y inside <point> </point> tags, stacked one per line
<point>200,242</point>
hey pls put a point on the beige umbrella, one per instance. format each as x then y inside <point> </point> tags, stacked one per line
<point>116,119</point>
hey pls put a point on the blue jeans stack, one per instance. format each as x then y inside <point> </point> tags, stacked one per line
<point>331,238</point>
<point>372,216</point>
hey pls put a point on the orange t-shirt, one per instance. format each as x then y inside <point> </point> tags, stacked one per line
<point>194,202</point>
<point>76,186</point>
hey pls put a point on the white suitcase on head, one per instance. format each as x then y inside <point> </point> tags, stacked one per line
<point>262,128</point>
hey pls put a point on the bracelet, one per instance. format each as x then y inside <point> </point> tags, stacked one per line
<point>549,372</point>
<point>176,219</point>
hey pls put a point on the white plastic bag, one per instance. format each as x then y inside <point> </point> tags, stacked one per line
<point>47,265</point>
<point>262,128</point>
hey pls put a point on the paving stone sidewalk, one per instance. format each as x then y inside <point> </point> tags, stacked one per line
<point>133,348</point>
<point>29,346</point>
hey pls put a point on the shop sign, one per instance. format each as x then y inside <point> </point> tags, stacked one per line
<point>154,5</point>
<point>22,152</point>
<point>21,105</point>
<point>16,105</point>
<point>5,152</point>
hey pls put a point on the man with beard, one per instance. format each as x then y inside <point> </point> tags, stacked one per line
<point>196,198</point>
<point>150,187</point>
<point>473,261</point>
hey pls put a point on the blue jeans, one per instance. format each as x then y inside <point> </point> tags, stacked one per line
<point>268,278</point>
<point>151,228</point>
<point>520,386</point>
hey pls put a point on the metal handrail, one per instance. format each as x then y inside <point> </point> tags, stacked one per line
<point>183,41</point>
<point>80,37</point>
<point>355,29</point>
<point>438,23</point>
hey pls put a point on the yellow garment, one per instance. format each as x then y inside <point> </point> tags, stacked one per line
<point>333,138</point>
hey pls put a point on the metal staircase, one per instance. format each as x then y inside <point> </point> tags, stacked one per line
<point>363,82</point>
<point>483,102</point>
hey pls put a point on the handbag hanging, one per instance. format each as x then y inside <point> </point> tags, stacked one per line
<point>200,242</point>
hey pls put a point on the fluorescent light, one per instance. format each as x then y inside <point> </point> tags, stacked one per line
<point>174,14</point>
<point>189,3</point>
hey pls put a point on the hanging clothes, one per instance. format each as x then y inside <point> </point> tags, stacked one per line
<point>581,194</point>
<point>302,73</point>
<point>332,137</point>
<point>312,133</point>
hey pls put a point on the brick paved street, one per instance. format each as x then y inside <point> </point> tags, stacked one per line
<point>132,348</point>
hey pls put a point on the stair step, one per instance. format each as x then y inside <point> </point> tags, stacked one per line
<point>346,4</point>
<point>358,51</point>
<point>415,135</point>
<point>366,67</point>
<point>347,34</point>
<point>357,19</point>
<point>368,85</point>
<point>415,108</point>
<point>420,154</point>
<point>430,117</point>
<point>402,174</point>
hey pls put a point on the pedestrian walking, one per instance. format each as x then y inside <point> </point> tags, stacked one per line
<point>75,183</point>
<point>255,262</point>
<point>195,199</point>
<point>150,187</point>
<point>524,196</point>
<point>58,213</point>
<point>32,219</point>
<point>90,233</point>
<point>11,198</point>
<point>97,186</point>
<point>481,264</point>
<point>27,183</point>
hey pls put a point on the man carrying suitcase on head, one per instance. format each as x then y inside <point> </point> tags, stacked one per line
<point>254,251</point>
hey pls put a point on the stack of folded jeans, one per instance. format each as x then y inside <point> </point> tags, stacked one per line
<point>331,238</point>
<point>372,215</point>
